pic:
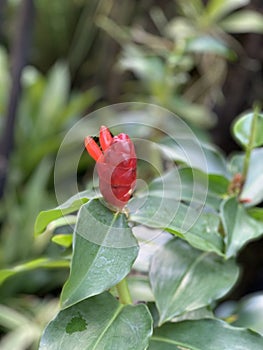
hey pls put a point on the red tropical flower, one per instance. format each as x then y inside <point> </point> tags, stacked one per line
<point>116,165</point>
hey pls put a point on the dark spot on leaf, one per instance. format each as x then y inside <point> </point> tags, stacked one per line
<point>77,324</point>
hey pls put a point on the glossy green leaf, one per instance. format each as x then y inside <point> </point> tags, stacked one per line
<point>31,265</point>
<point>215,160</point>
<point>253,187</point>
<point>64,223</point>
<point>252,191</point>
<point>239,226</point>
<point>99,323</point>
<point>65,240</point>
<point>206,334</point>
<point>242,130</point>
<point>192,224</point>
<point>249,312</point>
<point>104,250</point>
<point>203,312</point>
<point>243,21</point>
<point>236,162</point>
<point>184,279</point>
<point>70,206</point>
<point>190,185</point>
<point>203,157</point>
<point>149,240</point>
<point>62,229</point>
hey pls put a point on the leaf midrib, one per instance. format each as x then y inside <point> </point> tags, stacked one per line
<point>173,342</point>
<point>88,270</point>
<point>178,288</point>
<point>115,315</point>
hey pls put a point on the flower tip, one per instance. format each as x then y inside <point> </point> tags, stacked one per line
<point>87,140</point>
<point>105,137</point>
<point>92,148</point>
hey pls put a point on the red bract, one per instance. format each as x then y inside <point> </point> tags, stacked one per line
<point>116,166</point>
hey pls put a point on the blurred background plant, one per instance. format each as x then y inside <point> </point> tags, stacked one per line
<point>191,57</point>
<point>182,62</point>
<point>46,111</point>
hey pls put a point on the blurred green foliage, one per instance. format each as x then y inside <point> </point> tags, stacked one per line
<point>46,111</point>
<point>182,64</point>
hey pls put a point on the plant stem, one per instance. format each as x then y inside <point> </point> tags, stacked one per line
<point>123,292</point>
<point>122,286</point>
<point>250,145</point>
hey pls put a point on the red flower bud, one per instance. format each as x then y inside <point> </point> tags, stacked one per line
<point>116,166</point>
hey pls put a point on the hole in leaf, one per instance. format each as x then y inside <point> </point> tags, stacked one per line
<point>77,324</point>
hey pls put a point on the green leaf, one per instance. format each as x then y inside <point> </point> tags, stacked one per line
<point>208,44</point>
<point>204,312</point>
<point>244,21</point>
<point>242,130</point>
<point>184,279</point>
<point>206,334</point>
<point>22,337</point>
<point>239,226</point>
<point>236,163</point>
<point>70,206</point>
<point>205,157</point>
<point>104,250</point>
<point>148,68</point>
<point>5,80</point>
<point>56,93</point>
<point>140,288</point>
<point>191,9</point>
<point>31,265</point>
<point>197,227</point>
<point>253,186</point>
<point>249,312</point>
<point>149,240</point>
<point>216,163</point>
<point>65,222</point>
<point>99,323</point>
<point>65,240</point>
<point>256,213</point>
<point>217,9</point>
<point>194,113</point>
<point>78,104</point>
<point>10,318</point>
<point>190,185</point>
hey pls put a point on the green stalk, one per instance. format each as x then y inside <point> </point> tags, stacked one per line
<point>122,287</point>
<point>250,146</point>
<point>123,292</point>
